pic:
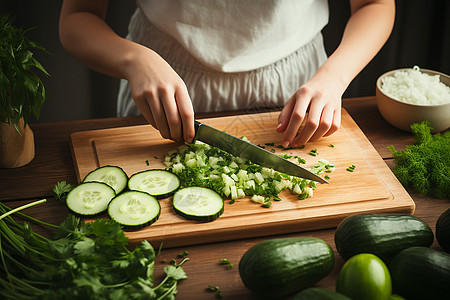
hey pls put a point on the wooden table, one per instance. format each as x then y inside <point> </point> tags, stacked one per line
<point>53,163</point>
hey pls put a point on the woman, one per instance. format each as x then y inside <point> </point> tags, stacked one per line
<point>185,56</point>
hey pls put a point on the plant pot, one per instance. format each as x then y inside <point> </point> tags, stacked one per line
<point>16,149</point>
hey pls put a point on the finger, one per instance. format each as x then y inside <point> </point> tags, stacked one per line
<point>336,122</point>
<point>286,112</point>
<point>186,113</point>
<point>158,114</point>
<point>311,124</point>
<point>171,112</point>
<point>325,123</point>
<point>143,107</point>
<point>296,118</point>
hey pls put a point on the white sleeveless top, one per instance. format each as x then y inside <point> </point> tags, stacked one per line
<point>238,35</point>
<point>232,54</point>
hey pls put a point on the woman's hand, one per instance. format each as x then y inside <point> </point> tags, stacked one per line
<point>366,31</point>
<point>161,95</point>
<point>324,114</point>
<point>157,90</point>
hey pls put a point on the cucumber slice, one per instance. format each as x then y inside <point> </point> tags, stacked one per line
<point>113,176</point>
<point>90,198</point>
<point>134,209</point>
<point>198,203</point>
<point>158,183</point>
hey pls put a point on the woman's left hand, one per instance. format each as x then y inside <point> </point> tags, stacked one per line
<point>368,28</point>
<point>318,105</point>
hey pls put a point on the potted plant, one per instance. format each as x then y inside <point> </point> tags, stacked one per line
<point>22,93</point>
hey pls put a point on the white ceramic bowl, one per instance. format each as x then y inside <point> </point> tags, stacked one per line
<point>401,114</point>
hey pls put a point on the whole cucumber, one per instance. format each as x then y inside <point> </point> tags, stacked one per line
<point>383,235</point>
<point>443,230</point>
<point>421,273</point>
<point>278,267</point>
<point>314,293</point>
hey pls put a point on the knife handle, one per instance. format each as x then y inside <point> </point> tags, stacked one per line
<point>197,125</point>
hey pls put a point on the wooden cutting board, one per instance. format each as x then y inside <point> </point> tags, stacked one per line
<point>372,187</point>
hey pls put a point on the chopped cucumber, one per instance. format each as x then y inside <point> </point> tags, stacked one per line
<point>200,164</point>
<point>134,209</point>
<point>158,183</point>
<point>90,198</point>
<point>198,203</point>
<point>113,176</point>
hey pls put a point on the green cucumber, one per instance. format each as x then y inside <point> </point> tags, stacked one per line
<point>89,198</point>
<point>198,203</point>
<point>278,267</point>
<point>158,183</point>
<point>421,273</point>
<point>113,176</point>
<point>134,209</point>
<point>364,277</point>
<point>384,235</point>
<point>443,230</point>
<point>314,293</point>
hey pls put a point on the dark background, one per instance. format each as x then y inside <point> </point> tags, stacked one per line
<point>421,37</point>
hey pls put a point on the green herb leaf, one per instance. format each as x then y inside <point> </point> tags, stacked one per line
<point>22,92</point>
<point>268,204</point>
<point>313,152</point>
<point>61,189</point>
<point>224,261</point>
<point>215,288</point>
<point>176,273</point>
<point>183,254</point>
<point>425,165</point>
<point>85,260</point>
<point>351,168</point>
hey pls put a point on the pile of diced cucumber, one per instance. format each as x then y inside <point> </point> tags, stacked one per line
<point>206,175</point>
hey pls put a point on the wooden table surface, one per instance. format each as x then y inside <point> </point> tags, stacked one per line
<point>53,163</point>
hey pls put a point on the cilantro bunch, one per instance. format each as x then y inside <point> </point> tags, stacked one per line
<point>83,261</point>
<point>425,165</point>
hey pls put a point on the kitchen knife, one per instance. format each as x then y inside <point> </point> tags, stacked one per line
<point>241,148</point>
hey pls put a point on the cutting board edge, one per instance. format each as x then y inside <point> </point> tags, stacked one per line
<point>386,176</point>
<point>257,231</point>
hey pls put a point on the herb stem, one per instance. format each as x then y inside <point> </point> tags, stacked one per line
<point>22,207</point>
<point>168,292</point>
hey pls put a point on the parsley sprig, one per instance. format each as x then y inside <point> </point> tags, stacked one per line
<point>61,189</point>
<point>83,261</point>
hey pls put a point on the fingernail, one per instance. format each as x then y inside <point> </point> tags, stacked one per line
<point>279,125</point>
<point>285,144</point>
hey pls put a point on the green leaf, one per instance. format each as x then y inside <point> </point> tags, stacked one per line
<point>176,273</point>
<point>85,246</point>
<point>61,189</point>
<point>70,226</point>
<point>22,92</point>
<point>89,282</point>
<point>61,248</point>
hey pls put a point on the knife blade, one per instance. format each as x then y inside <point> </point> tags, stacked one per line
<point>241,148</point>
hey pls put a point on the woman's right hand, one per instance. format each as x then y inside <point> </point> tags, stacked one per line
<point>160,95</point>
<point>156,88</point>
